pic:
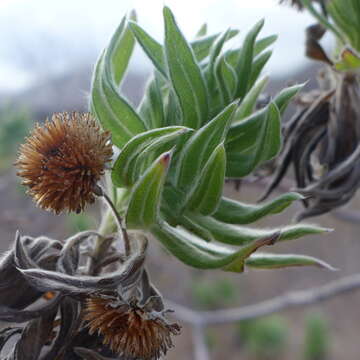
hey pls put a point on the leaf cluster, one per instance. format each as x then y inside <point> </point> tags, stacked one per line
<point>197,124</point>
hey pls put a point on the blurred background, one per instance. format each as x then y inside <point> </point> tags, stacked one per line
<point>47,53</point>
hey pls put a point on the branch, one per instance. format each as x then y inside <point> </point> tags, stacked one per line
<point>201,351</point>
<point>289,300</point>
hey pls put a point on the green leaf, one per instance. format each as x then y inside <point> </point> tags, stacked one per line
<point>214,53</point>
<point>264,43</point>
<point>266,135</point>
<point>208,191</point>
<point>194,227</point>
<point>110,108</point>
<point>152,108</point>
<point>258,66</point>
<point>279,261</point>
<point>185,75</point>
<point>202,31</point>
<point>241,235</point>
<point>152,48</point>
<point>346,16</point>
<point>234,212</point>
<point>121,47</point>
<point>226,79</point>
<point>152,150</point>
<point>284,97</point>
<point>121,170</point>
<point>202,46</point>
<point>249,102</point>
<point>197,253</point>
<point>144,202</point>
<point>244,64</point>
<point>201,145</point>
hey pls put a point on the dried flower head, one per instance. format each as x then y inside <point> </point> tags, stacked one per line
<point>62,161</point>
<point>130,330</point>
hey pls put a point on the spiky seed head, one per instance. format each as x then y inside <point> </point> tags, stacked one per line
<point>62,161</point>
<point>130,330</point>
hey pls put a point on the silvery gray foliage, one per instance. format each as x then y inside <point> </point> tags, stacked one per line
<point>53,324</point>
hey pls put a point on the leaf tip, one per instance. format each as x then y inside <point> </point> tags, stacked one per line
<point>133,15</point>
<point>165,158</point>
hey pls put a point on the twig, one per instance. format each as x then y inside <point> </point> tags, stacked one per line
<point>350,216</point>
<point>288,300</point>
<point>201,351</point>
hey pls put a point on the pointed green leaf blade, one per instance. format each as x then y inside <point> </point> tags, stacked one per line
<point>207,193</point>
<point>267,136</point>
<point>241,235</point>
<point>185,75</point>
<point>144,203</point>
<point>120,48</point>
<point>226,79</point>
<point>121,169</point>
<point>244,65</point>
<point>201,145</point>
<point>120,109</point>
<point>284,97</point>
<point>248,104</point>
<point>202,46</point>
<point>202,31</point>
<point>101,109</point>
<point>151,108</point>
<point>257,67</point>
<point>152,48</point>
<point>197,253</point>
<point>279,261</point>
<point>264,43</point>
<point>234,212</point>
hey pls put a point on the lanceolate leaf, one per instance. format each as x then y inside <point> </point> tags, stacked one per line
<point>121,170</point>
<point>152,107</point>
<point>152,48</point>
<point>202,46</point>
<point>284,97</point>
<point>144,203</point>
<point>119,132</point>
<point>248,104</point>
<point>201,145</point>
<point>244,65</point>
<point>279,261</point>
<point>185,75</point>
<point>208,191</point>
<point>267,135</point>
<point>240,235</point>
<point>264,43</point>
<point>151,151</point>
<point>226,78</point>
<point>214,54</point>
<point>234,212</point>
<point>111,109</point>
<point>197,253</point>
<point>121,47</point>
<point>202,31</point>
<point>257,67</point>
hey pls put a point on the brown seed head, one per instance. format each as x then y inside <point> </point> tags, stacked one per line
<point>62,161</point>
<point>130,330</point>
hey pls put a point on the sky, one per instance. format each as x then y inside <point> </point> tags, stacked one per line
<point>51,36</point>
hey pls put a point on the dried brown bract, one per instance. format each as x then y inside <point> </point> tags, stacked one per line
<point>322,145</point>
<point>62,161</point>
<point>129,329</point>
